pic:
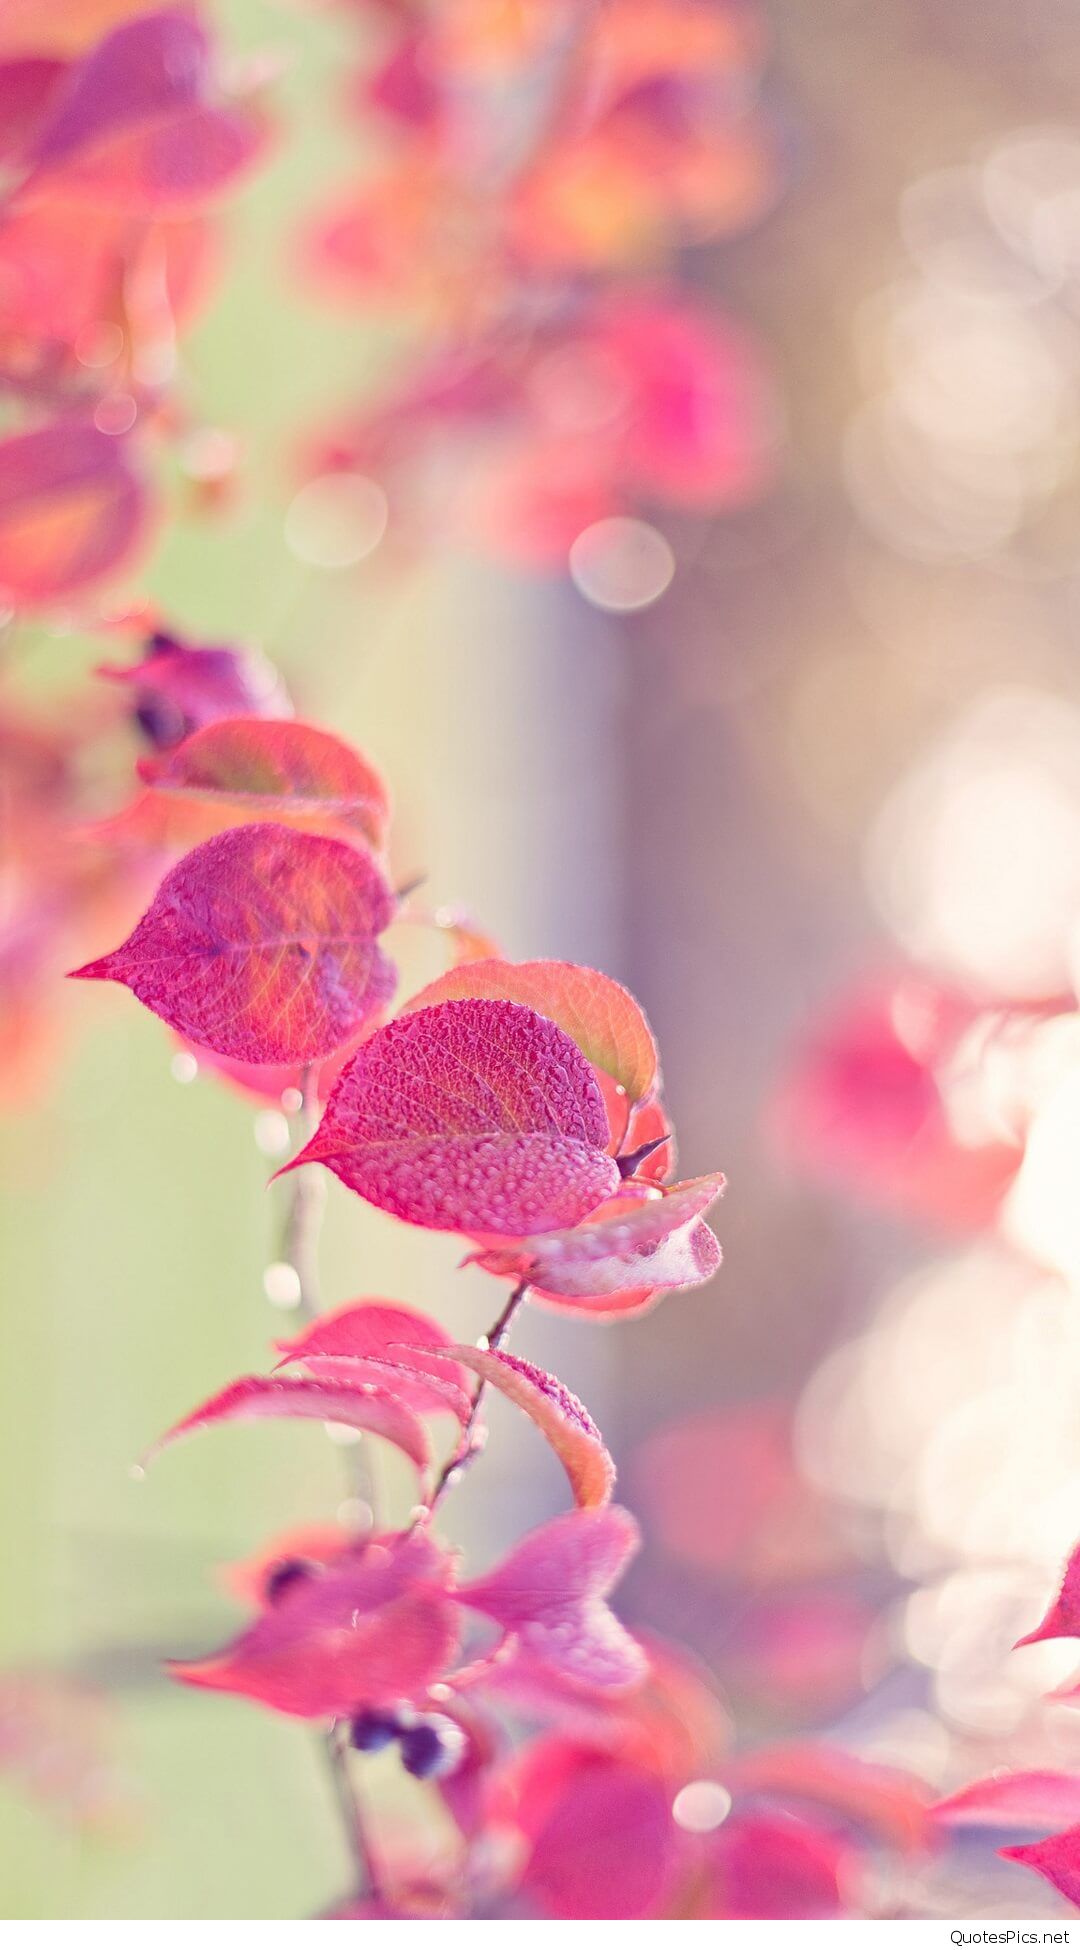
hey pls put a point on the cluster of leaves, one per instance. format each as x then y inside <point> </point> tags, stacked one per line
<point>540,167</point>
<point>117,145</point>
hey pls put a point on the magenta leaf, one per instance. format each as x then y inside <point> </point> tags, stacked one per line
<point>380,1331</point>
<point>604,1844</point>
<point>260,943</point>
<point>134,125</point>
<point>768,1866</point>
<point>560,1417</point>
<point>1062,1620</point>
<point>630,1245</point>
<point>71,511</point>
<point>550,1593</point>
<point>885,1801</point>
<point>1057,1860</point>
<point>1028,1798</point>
<point>357,1405</point>
<point>473,1116</point>
<point>375,1627</point>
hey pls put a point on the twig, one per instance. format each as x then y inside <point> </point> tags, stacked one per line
<point>348,1801</point>
<point>469,1447</point>
<point>303,1217</point>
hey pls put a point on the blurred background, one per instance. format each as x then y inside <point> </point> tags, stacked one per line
<point>801,768</point>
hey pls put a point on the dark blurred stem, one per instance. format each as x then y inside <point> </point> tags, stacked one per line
<point>468,1448</point>
<point>356,1834</point>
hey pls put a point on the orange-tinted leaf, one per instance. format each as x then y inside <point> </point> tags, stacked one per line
<point>273,768</point>
<point>71,511</point>
<point>261,944</point>
<point>560,1417</point>
<point>600,1015</point>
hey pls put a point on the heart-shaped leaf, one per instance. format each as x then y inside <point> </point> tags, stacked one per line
<point>362,1406</point>
<point>260,943</point>
<point>273,769</point>
<point>560,1417</point>
<point>71,511</point>
<point>376,1627</point>
<point>550,1593</point>
<point>380,1332</point>
<point>472,1116</point>
<point>599,1015</point>
<point>627,1246</point>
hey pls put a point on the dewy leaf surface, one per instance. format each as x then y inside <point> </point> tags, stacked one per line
<point>382,1331</point>
<point>644,1243</point>
<point>274,768</point>
<point>600,1016</point>
<point>561,1418</point>
<point>261,945</point>
<point>472,1116</point>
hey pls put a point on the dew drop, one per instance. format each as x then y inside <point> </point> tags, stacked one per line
<point>621,563</point>
<point>701,1806</point>
<point>281,1284</point>
<point>184,1066</point>
<point>272,1133</point>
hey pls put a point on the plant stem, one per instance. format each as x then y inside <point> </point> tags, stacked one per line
<point>303,1219</point>
<point>468,1447</point>
<point>348,1801</point>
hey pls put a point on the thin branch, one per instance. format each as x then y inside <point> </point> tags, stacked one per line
<point>304,1215</point>
<point>470,1445</point>
<point>352,1816</point>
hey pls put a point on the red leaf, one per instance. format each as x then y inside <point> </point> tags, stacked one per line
<point>1057,1860</point>
<point>559,1416</point>
<point>1062,1620</point>
<point>764,1866</point>
<point>358,1406</point>
<point>71,511</point>
<point>550,1592</point>
<point>599,1015</point>
<point>1036,1798</point>
<point>472,1116</point>
<point>379,1330</point>
<point>376,1627</point>
<point>266,768</point>
<point>628,1245</point>
<point>604,1845</point>
<point>261,944</point>
<point>133,125</point>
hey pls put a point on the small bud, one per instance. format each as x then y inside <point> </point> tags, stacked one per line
<point>281,1577</point>
<point>432,1749</point>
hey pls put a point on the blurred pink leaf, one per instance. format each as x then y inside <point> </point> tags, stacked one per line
<point>1027,1798</point>
<point>1057,1860</point>
<point>285,1397</point>
<point>71,511</point>
<point>266,768</point>
<point>551,1590</point>
<point>768,1866</point>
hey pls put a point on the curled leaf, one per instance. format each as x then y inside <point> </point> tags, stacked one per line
<point>560,1417</point>
<point>71,511</point>
<point>377,1332</point>
<point>273,768</point>
<point>374,1627</point>
<point>260,943</point>
<point>551,1590</point>
<point>284,1397</point>
<point>472,1116</point>
<point>599,1015</point>
<point>627,1246</point>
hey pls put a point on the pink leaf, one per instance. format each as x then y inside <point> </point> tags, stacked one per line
<point>559,1416</point>
<point>134,125</point>
<point>626,1246</point>
<point>71,511</point>
<point>1062,1620</point>
<point>375,1627</point>
<point>261,944</point>
<point>266,768</point>
<point>378,1330</point>
<point>550,1592</point>
<point>599,1015</point>
<point>604,1845</point>
<point>1036,1798</point>
<point>357,1406</point>
<point>180,687</point>
<point>765,1866</point>
<point>472,1116</point>
<point>1057,1860</point>
<point>884,1800</point>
